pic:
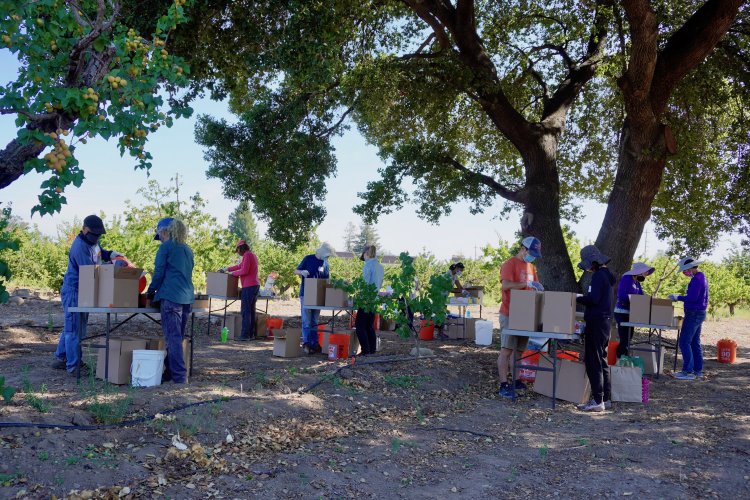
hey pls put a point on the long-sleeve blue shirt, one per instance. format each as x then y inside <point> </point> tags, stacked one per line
<point>696,298</point>
<point>599,299</point>
<point>318,268</point>
<point>373,272</point>
<point>83,254</point>
<point>173,273</point>
<point>627,287</point>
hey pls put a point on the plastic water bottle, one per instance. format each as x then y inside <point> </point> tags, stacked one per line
<point>224,334</point>
<point>468,314</point>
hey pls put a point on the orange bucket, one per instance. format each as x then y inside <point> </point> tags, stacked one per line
<point>342,341</point>
<point>273,324</point>
<point>569,355</point>
<point>427,330</point>
<point>612,352</point>
<point>726,351</point>
<point>531,358</point>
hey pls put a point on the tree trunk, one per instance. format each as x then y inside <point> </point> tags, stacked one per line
<point>542,216</point>
<point>731,309</point>
<point>13,158</point>
<point>636,184</point>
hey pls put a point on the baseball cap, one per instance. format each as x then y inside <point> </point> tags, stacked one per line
<point>534,246</point>
<point>162,225</point>
<point>95,224</point>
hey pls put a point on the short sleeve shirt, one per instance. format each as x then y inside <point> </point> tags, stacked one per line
<point>518,271</point>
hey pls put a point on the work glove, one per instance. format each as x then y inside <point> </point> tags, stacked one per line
<point>535,285</point>
<point>114,254</point>
<point>464,293</point>
<point>673,297</point>
<point>222,270</point>
<point>304,273</point>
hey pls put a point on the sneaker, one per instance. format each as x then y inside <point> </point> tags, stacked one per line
<point>699,375</point>
<point>59,364</point>
<point>442,336</point>
<point>306,348</point>
<point>316,349</point>
<point>608,404</point>
<point>520,386</point>
<point>592,406</point>
<point>84,370</point>
<point>505,391</point>
<point>684,376</point>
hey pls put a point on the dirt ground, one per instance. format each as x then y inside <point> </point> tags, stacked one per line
<point>417,429</point>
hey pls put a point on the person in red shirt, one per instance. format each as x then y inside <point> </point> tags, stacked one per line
<point>247,271</point>
<point>517,273</point>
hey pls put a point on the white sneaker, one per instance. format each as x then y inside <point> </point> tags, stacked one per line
<point>607,404</point>
<point>684,376</point>
<point>592,406</point>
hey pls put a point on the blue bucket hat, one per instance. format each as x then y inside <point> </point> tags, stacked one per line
<point>591,254</point>
<point>162,225</point>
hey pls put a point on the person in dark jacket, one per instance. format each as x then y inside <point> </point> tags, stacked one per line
<point>598,315</point>
<point>172,288</point>
<point>696,302</point>
<point>630,284</point>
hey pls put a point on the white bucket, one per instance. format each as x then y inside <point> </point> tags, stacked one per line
<point>147,367</point>
<point>483,332</point>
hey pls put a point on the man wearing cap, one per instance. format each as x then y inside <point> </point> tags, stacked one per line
<point>630,284</point>
<point>696,302</point>
<point>84,251</point>
<point>247,271</point>
<point>598,316</point>
<point>312,266</point>
<point>517,273</point>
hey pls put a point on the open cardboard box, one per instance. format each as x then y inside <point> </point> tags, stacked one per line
<point>120,358</point>
<point>572,382</point>
<point>558,312</point>
<point>286,343</point>
<point>222,285</point>
<point>525,310</point>
<point>315,291</point>
<point>108,286</point>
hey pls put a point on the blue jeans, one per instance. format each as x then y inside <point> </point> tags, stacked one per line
<point>69,345</point>
<point>174,318</point>
<point>309,324</point>
<point>690,341</point>
<point>248,299</point>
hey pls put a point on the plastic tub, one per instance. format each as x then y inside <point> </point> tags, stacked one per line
<point>483,332</point>
<point>147,367</point>
<point>612,352</point>
<point>426,330</point>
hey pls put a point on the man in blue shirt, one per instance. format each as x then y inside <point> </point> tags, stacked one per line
<point>84,251</point>
<point>312,266</point>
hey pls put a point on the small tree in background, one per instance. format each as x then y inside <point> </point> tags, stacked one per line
<point>350,237</point>
<point>242,224</point>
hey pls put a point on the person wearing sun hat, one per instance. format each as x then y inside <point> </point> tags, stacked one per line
<point>630,284</point>
<point>247,271</point>
<point>597,315</point>
<point>696,302</point>
<point>85,251</point>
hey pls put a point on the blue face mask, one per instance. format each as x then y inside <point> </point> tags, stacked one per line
<point>528,258</point>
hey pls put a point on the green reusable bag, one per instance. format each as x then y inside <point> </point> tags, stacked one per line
<point>632,361</point>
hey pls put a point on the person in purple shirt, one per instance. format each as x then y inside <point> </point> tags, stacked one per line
<point>630,284</point>
<point>696,302</point>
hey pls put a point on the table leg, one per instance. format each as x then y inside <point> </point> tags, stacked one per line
<point>106,349</point>
<point>553,348</point>
<point>658,352</point>
<point>79,332</point>
<point>515,373</point>
<point>676,349</point>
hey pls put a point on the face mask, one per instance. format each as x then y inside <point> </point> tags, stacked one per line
<point>640,278</point>
<point>528,258</point>
<point>688,273</point>
<point>91,238</point>
<point>458,274</point>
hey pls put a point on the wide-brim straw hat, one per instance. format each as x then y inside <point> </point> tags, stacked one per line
<point>640,268</point>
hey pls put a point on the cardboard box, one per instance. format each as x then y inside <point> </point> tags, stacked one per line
<point>88,285</point>
<point>648,356</point>
<point>473,291</point>
<point>558,312</point>
<point>315,291</point>
<point>118,286</point>
<point>454,329</point>
<point>662,312</point>
<point>572,382</point>
<point>201,302</point>
<point>286,343</point>
<point>260,324</point>
<point>526,310</point>
<point>387,325</point>
<point>159,344</point>
<point>120,359</point>
<point>471,328</point>
<point>335,297</point>
<point>222,284</point>
<point>640,309</point>
<point>234,325</point>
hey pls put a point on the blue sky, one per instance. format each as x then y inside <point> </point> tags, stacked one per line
<point>111,180</point>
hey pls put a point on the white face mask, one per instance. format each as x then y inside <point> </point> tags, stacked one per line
<point>458,274</point>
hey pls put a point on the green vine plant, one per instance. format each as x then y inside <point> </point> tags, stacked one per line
<point>7,242</point>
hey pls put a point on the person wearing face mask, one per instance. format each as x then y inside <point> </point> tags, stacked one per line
<point>630,284</point>
<point>517,273</point>
<point>696,302</point>
<point>372,272</point>
<point>312,266</point>
<point>85,251</point>
<point>597,315</point>
<point>172,288</point>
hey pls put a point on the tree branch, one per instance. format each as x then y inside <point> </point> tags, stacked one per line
<point>425,15</point>
<point>559,49</point>
<point>636,81</point>
<point>84,43</point>
<point>333,127</point>
<point>515,196</point>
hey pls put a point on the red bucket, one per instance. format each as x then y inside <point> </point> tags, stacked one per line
<point>726,351</point>
<point>612,352</point>
<point>273,324</point>
<point>530,358</point>
<point>427,330</point>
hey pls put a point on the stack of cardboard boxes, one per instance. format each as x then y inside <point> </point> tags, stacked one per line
<point>108,286</point>
<point>320,292</point>
<point>121,356</point>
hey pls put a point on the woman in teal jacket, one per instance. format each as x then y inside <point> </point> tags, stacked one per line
<point>172,288</point>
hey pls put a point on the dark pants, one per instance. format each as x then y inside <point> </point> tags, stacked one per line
<point>596,336</point>
<point>625,333</point>
<point>247,301</point>
<point>365,326</point>
<point>174,318</point>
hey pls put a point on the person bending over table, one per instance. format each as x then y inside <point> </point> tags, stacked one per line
<point>247,271</point>
<point>630,284</point>
<point>598,316</point>
<point>85,251</point>
<point>172,288</point>
<point>696,302</point>
<point>373,273</point>
<point>312,266</point>
<point>517,273</point>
